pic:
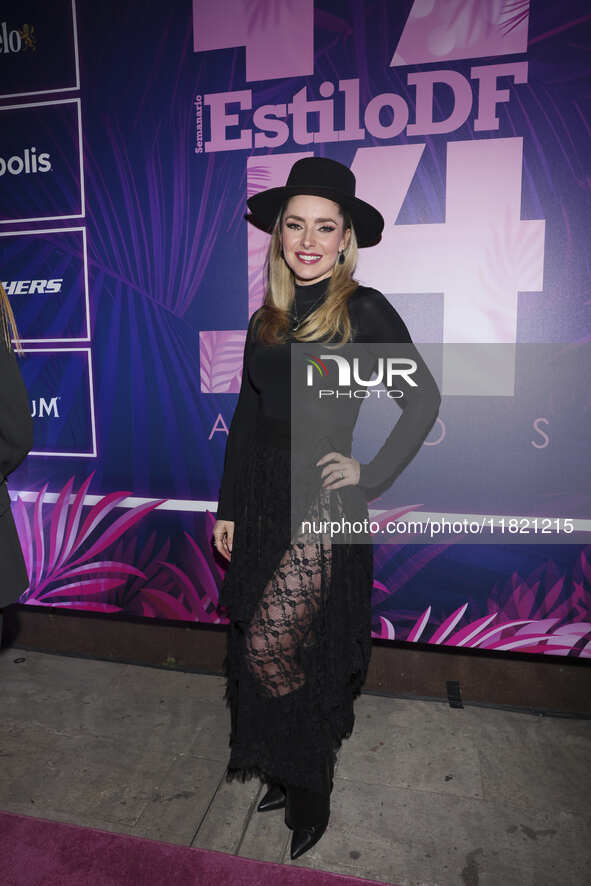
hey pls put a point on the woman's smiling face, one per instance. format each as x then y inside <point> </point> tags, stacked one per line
<point>312,235</point>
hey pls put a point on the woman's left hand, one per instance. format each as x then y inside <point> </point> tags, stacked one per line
<point>339,470</point>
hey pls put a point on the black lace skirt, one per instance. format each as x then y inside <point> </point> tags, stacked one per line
<point>299,638</point>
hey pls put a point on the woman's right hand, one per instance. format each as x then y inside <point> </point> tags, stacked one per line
<point>223,537</point>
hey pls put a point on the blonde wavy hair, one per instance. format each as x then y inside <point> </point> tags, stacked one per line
<point>8,328</point>
<point>330,319</point>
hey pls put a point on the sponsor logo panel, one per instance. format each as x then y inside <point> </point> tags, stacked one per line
<point>45,276</point>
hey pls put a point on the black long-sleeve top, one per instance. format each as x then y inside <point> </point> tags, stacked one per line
<point>16,424</point>
<point>265,386</point>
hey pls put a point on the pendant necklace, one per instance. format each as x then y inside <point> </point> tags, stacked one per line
<point>307,314</point>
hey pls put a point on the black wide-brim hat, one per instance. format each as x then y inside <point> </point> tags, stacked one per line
<point>321,177</point>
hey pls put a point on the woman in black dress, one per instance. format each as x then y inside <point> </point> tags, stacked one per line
<point>16,439</point>
<point>299,608</point>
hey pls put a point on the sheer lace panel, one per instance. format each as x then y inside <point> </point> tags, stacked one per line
<point>287,622</point>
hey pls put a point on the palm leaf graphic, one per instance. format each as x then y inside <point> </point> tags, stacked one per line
<point>66,539</point>
<point>543,613</point>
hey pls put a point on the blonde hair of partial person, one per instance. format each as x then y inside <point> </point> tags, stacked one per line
<point>8,328</point>
<point>330,319</point>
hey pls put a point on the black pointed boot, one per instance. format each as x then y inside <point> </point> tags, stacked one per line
<point>307,813</point>
<point>273,799</point>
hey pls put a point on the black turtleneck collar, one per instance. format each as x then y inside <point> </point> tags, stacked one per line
<point>312,290</point>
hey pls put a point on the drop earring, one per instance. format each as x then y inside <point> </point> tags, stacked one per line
<point>341,258</point>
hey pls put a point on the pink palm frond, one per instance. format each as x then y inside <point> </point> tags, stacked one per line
<point>92,586</point>
<point>531,619</point>
<point>189,592</point>
<point>448,624</point>
<point>80,604</point>
<point>66,539</point>
<point>199,580</point>
<point>125,522</point>
<point>164,605</point>
<point>23,528</point>
<point>103,566</point>
<point>38,537</point>
<point>73,520</point>
<point>516,11</point>
<point>419,626</point>
<point>59,516</point>
<point>386,631</point>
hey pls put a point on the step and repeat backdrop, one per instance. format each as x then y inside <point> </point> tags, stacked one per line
<point>131,136</point>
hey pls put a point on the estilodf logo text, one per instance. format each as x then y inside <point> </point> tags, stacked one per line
<point>389,369</point>
<point>29,162</point>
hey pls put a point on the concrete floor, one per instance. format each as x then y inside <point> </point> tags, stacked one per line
<point>424,794</point>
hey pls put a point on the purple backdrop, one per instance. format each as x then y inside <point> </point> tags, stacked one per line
<point>125,162</point>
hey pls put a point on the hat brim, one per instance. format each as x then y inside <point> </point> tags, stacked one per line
<point>367,221</point>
